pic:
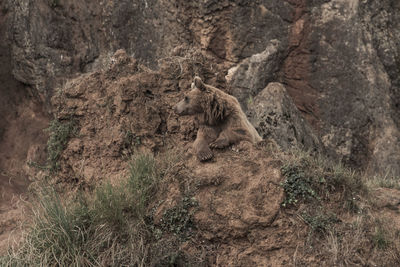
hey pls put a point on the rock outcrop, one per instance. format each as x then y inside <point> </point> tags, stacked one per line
<point>276,117</point>
<point>251,75</point>
<point>355,82</point>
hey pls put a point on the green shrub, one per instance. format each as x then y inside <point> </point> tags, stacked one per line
<point>179,219</point>
<point>310,177</point>
<point>296,185</point>
<point>59,134</point>
<point>319,222</point>
<point>54,3</point>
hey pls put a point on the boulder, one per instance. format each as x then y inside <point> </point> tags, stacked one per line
<point>252,74</point>
<point>276,117</point>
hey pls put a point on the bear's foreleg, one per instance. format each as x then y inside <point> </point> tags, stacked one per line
<point>201,145</point>
<point>228,137</point>
<point>221,142</point>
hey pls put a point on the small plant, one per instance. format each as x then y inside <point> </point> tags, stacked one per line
<point>351,205</point>
<point>59,134</point>
<point>297,185</point>
<point>319,222</point>
<point>179,219</point>
<point>380,238</point>
<point>54,3</point>
<point>250,100</point>
<point>130,141</point>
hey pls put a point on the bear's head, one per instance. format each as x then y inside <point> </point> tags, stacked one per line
<point>192,102</point>
<point>204,100</point>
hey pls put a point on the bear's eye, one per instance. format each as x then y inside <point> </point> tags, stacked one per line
<point>186,99</point>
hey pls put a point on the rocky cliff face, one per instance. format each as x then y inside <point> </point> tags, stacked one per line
<point>339,60</point>
<point>355,82</point>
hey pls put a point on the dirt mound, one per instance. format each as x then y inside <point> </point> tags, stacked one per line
<point>239,219</point>
<point>122,109</point>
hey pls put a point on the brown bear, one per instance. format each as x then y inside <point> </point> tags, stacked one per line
<point>222,121</point>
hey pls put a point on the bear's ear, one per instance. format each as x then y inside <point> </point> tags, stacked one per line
<point>199,83</point>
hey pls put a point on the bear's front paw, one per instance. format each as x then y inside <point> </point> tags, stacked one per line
<point>204,154</point>
<point>219,143</point>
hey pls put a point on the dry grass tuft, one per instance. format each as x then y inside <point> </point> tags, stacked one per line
<point>108,227</point>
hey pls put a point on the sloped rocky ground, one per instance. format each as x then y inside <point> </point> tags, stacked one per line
<point>330,67</point>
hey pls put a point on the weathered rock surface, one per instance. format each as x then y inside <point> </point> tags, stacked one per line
<point>276,117</point>
<point>53,40</point>
<point>251,75</point>
<point>355,83</point>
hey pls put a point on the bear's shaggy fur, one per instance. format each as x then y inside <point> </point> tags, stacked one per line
<point>222,121</point>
